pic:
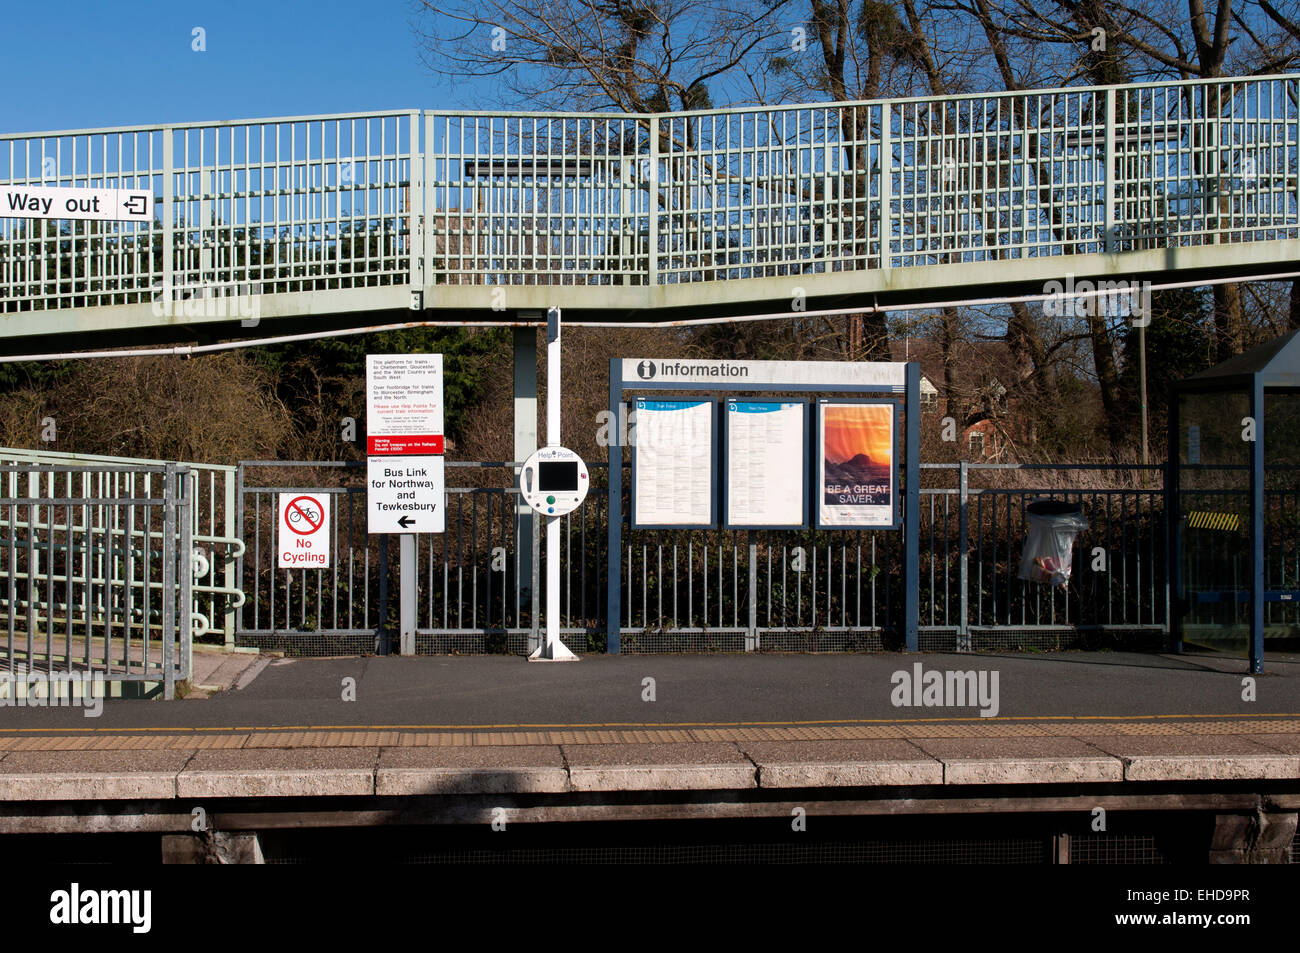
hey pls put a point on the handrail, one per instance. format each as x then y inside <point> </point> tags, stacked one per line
<point>613,114</point>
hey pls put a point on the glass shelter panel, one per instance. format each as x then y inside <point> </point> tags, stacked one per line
<point>1213,531</point>
<point>1282,518</point>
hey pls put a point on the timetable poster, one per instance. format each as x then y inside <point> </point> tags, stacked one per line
<point>856,468</point>
<point>765,463</point>
<point>672,467</point>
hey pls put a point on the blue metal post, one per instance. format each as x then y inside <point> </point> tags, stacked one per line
<point>1257,529</point>
<point>614,512</point>
<point>1173,522</point>
<point>963,555</point>
<point>912,515</point>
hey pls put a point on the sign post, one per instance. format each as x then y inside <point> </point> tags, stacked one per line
<point>552,649</point>
<point>405,482</point>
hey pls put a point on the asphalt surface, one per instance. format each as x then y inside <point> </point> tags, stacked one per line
<point>440,691</point>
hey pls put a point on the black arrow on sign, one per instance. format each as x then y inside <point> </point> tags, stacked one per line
<point>130,204</point>
<point>406,521</point>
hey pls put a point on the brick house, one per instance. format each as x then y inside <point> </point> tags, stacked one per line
<point>980,403</point>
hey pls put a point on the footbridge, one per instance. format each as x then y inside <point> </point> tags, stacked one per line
<point>484,217</point>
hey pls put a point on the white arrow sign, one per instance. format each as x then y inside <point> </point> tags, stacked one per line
<point>105,205</point>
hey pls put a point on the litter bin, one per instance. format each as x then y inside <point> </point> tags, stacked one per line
<point>1048,554</point>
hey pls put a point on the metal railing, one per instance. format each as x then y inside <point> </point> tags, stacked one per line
<point>971,539</point>
<point>95,574</point>
<point>248,207</point>
<point>474,588</point>
<point>720,590</point>
<point>337,608</point>
<point>413,200</point>
<point>477,589</point>
<point>213,530</point>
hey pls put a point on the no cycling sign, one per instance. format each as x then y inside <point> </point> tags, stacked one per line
<point>303,531</point>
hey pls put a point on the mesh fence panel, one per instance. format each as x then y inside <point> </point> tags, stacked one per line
<point>1115,849</point>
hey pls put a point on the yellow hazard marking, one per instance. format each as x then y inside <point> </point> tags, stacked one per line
<point>1207,519</point>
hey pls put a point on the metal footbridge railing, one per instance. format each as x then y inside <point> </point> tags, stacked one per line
<point>662,216</point>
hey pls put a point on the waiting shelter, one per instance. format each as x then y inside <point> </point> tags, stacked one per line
<point>1234,502</point>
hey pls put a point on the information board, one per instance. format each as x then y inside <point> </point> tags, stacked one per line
<point>673,468</point>
<point>403,404</point>
<point>405,488</point>
<point>857,472</point>
<point>766,464</point>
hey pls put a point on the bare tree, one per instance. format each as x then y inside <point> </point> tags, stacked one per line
<point>648,56</point>
<point>1159,39</point>
<point>637,56</point>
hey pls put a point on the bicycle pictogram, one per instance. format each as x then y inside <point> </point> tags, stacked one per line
<point>304,515</point>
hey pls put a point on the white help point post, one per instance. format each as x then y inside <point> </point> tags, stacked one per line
<point>552,649</point>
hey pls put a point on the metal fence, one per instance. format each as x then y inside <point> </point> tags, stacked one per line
<point>479,591</point>
<point>250,207</point>
<point>410,200</point>
<point>717,590</point>
<point>472,586</point>
<point>971,538</point>
<point>90,553</point>
<point>213,529</point>
<point>95,572</point>
<point>324,611</point>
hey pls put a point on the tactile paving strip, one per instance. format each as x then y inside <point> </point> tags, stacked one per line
<point>109,740</point>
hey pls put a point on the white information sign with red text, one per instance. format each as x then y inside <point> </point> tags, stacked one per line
<point>403,404</point>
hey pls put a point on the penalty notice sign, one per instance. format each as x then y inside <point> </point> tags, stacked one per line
<point>303,531</point>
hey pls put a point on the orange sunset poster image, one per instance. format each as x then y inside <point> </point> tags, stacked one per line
<point>857,465</point>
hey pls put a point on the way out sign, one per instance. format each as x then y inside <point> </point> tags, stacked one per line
<point>304,531</point>
<point>104,205</point>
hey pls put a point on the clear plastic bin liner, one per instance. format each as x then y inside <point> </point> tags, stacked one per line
<point>1047,556</point>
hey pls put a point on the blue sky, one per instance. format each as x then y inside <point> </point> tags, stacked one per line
<point>84,63</point>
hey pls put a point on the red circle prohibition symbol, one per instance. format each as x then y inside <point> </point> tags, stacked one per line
<point>316,512</point>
